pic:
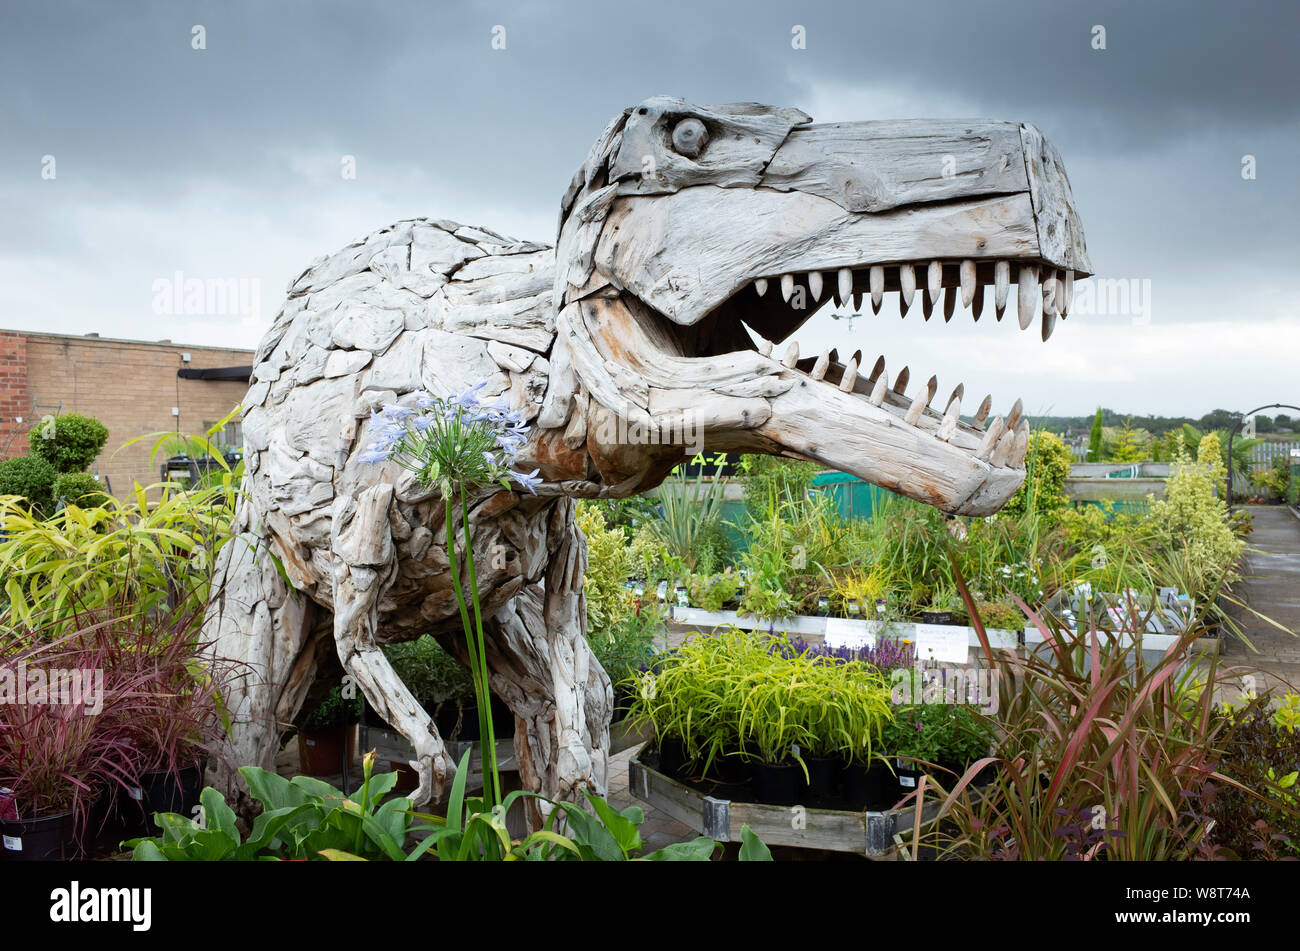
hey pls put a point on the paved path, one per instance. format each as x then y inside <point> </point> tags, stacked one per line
<point>1271,586</point>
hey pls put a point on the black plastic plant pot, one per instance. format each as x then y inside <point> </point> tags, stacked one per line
<point>777,784</point>
<point>872,787</point>
<point>730,771</point>
<point>45,839</point>
<point>823,778</point>
<point>160,790</point>
<point>908,776</point>
<point>672,756</point>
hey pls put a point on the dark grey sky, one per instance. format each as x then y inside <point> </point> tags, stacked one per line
<point>224,163</point>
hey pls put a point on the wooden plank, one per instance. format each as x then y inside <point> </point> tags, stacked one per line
<point>1060,236</point>
<point>683,252</point>
<point>876,166</point>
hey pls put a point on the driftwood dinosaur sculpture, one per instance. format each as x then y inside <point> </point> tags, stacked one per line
<point>691,241</point>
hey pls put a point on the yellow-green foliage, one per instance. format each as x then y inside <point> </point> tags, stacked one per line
<point>1047,465</point>
<point>121,551</point>
<point>608,566</point>
<point>1192,519</point>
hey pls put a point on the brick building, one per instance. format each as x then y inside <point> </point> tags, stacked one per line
<point>134,387</point>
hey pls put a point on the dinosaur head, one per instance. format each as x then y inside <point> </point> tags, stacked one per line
<point>696,239</point>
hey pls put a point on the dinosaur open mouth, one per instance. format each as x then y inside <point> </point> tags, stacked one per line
<point>769,310</point>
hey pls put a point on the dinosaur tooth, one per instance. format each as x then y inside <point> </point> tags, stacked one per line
<point>906,288</point>
<point>760,285</point>
<point>900,384</point>
<point>787,286</point>
<point>764,346</point>
<point>1020,447</point>
<point>850,376</point>
<point>877,278</point>
<point>951,416</point>
<point>1001,284</point>
<point>977,302</point>
<point>1028,298</point>
<point>1049,291</point>
<point>1067,292</point>
<point>921,401</point>
<point>815,284</point>
<point>982,412</point>
<point>1013,417</point>
<point>958,392</point>
<point>1002,452</point>
<point>934,281</point>
<point>1049,324</point>
<point>819,368</point>
<point>967,282</point>
<point>927,308</point>
<point>878,391</point>
<point>791,355</point>
<point>857,302</point>
<point>949,303</point>
<point>844,280</point>
<point>879,369</point>
<point>991,437</point>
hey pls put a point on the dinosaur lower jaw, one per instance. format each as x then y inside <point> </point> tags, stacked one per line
<point>777,306</point>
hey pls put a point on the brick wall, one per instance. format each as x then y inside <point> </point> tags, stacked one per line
<point>14,402</point>
<point>129,386</point>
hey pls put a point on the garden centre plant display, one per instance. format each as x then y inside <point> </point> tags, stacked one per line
<point>304,818</point>
<point>104,716</point>
<point>748,700</point>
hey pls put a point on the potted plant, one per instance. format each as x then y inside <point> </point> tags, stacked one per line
<point>172,716</point>
<point>943,605</point>
<point>327,739</point>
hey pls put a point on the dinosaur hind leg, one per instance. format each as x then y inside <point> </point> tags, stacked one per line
<point>545,672</point>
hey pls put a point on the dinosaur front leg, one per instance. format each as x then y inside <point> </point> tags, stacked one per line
<point>546,673</point>
<point>364,565</point>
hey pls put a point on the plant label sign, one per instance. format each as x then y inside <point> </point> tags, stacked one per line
<point>846,632</point>
<point>945,643</point>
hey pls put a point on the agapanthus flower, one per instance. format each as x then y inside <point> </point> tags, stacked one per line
<point>529,482</point>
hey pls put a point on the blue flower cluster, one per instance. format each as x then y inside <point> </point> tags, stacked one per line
<point>452,440</point>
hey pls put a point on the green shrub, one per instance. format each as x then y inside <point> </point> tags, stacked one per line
<point>69,442</point>
<point>1192,519</point>
<point>1047,466</point>
<point>711,592</point>
<point>334,711</point>
<point>431,674</point>
<point>609,601</point>
<point>79,488</point>
<point>32,478</point>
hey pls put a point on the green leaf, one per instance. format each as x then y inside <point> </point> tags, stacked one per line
<point>752,848</point>
<point>700,849</point>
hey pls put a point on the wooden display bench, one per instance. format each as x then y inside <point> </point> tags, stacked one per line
<point>867,833</point>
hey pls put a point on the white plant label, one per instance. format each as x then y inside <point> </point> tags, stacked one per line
<point>846,632</point>
<point>942,642</point>
<point>13,843</point>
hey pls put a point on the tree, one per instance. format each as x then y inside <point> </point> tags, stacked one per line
<point>1130,443</point>
<point>69,442</point>
<point>1094,438</point>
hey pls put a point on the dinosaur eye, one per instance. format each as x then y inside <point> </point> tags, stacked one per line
<point>689,137</point>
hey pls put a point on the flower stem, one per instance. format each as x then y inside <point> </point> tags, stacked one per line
<point>485,712</point>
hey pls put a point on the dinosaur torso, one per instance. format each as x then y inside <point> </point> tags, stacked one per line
<point>421,306</point>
